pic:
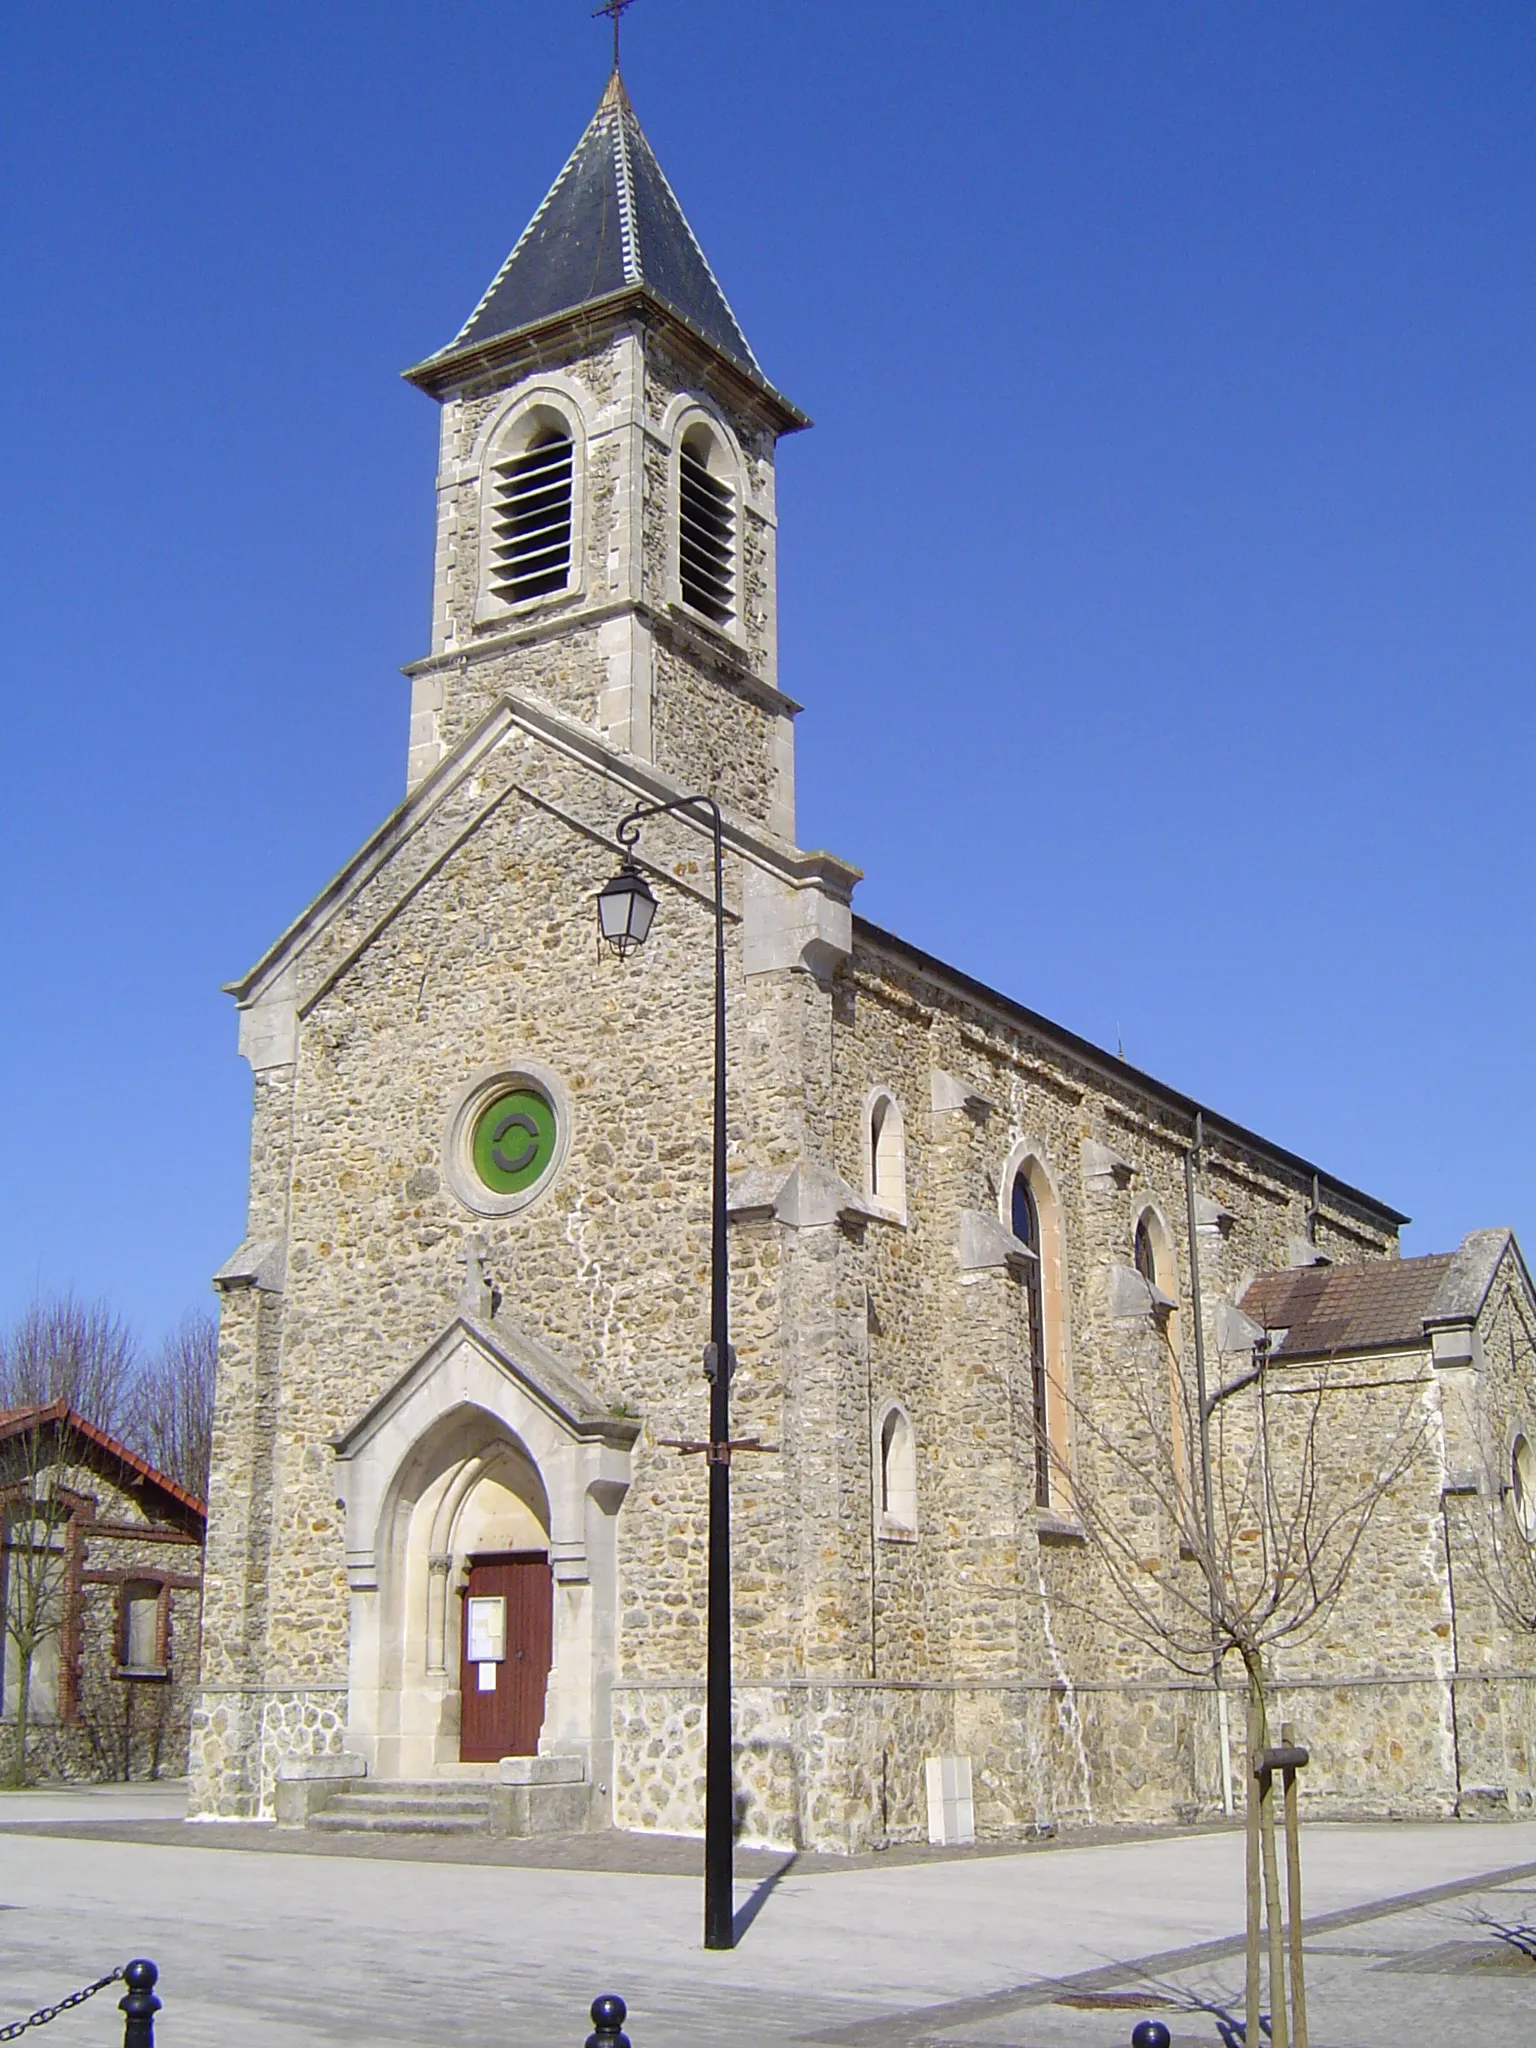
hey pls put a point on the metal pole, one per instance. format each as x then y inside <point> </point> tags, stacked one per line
<point>719,1789</point>
<point>719,1817</point>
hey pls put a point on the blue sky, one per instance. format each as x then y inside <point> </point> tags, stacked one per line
<point>1157,579</point>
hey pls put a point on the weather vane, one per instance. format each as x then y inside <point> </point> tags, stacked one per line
<point>613,8</point>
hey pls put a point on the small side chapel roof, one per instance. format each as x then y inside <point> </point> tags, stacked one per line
<point>609,225</point>
<point>1382,1305</point>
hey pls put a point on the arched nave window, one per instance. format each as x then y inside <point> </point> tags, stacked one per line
<point>1025,1223</point>
<point>898,1474</point>
<point>1152,1251</point>
<point>885,1155</point>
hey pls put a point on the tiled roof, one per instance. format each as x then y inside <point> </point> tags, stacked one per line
<point>609,221</point>
<point>1379,1306</point>
<point>1373,1307</point>
<point>14,1421</point>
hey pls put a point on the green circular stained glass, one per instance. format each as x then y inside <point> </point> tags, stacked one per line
<point>514,1141</point>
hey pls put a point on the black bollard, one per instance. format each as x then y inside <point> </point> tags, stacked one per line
<point>1150,2034</point>
<point>608,2015</point>
<point>141,2005</point>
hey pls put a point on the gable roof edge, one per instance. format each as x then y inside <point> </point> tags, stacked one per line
<point>1113,1068</point>
<point>640,780</point>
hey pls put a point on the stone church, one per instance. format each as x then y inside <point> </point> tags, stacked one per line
<point>449,1546</point>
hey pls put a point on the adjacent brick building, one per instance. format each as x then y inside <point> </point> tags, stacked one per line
<point>106,1552</point>
<point>472,1300</point>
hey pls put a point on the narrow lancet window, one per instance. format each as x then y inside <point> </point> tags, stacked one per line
<point>1026,1228</point>
<point>898,1474</point>
<point>887,1157</point>
<point>531,519</point>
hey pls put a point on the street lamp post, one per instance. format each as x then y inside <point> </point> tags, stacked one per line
<point>625,909</point>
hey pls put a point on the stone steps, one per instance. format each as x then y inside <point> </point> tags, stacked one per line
<point>403,1809</point>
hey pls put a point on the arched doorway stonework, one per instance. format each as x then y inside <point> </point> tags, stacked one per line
<point>487,1444</point>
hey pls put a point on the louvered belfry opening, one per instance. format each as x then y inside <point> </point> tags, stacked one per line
<point>706,535</point>
<point>531,524</point>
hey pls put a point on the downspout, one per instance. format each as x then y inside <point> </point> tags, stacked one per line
<point>1450,1587</point>
<point>1207,1498</point>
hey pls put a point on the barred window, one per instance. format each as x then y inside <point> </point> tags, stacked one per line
<point>706,540</point>
<point>531,517</point>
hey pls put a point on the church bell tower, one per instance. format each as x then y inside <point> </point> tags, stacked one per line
<point>605,493</point>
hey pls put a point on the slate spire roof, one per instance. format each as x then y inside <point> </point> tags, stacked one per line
<point>609,223</point>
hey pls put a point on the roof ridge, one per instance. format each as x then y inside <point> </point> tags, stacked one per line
<point>624,172</point>
<point>709,270</point>
<point>12,1421</point>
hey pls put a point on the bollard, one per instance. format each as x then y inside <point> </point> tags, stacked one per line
<point>141,2005</point>
<point>608,2015</point>
<point>1150,2034</point>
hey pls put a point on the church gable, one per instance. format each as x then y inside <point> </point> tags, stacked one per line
<point>518,757</point>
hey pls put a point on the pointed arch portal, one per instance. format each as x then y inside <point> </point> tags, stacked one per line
<point>481,1494</point>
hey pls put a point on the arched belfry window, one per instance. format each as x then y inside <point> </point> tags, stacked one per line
<point>1025,1222</point>
<point>885,1155</point>
<point>532,476</point>
<point>898,1475</point>
<point>706,527</point>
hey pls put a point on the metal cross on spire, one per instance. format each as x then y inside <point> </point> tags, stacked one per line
<point>613,8</point>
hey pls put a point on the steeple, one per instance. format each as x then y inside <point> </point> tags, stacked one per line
<point>609,231</point>
<point>606,532</point>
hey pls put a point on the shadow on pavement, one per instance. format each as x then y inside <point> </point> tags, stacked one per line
<point>747,1913</point>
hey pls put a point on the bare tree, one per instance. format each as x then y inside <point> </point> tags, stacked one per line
<point>1234,1531</point>
<point>81,1353</point>
<point>173,1426</point>
<point>1260,1556</point>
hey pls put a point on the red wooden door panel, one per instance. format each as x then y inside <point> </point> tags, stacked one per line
<point>505,1720</point>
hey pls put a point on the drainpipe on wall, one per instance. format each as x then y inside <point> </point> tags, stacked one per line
<point>1192,1225</point>
<point>1450,1588</point>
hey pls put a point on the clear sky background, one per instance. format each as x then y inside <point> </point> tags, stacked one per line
<point>1158,578</point>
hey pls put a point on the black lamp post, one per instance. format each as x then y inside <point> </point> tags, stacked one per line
<point>625,909</point>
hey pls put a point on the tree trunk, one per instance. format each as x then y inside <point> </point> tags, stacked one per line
<point>1261,1853</point>
<point>17,1776</point>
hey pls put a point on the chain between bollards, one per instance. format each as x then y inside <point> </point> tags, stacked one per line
<point>138,2008</point>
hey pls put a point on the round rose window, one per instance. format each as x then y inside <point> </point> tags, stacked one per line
<point>507,1136</point>
<point>514,1141</point>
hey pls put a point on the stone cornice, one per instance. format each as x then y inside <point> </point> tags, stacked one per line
<point>445,375</point>
<point>718,649</point>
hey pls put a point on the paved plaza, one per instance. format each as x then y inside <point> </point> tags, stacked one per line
<point>268,1938</point>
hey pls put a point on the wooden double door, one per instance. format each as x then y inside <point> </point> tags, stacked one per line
<point>504,1654</point>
